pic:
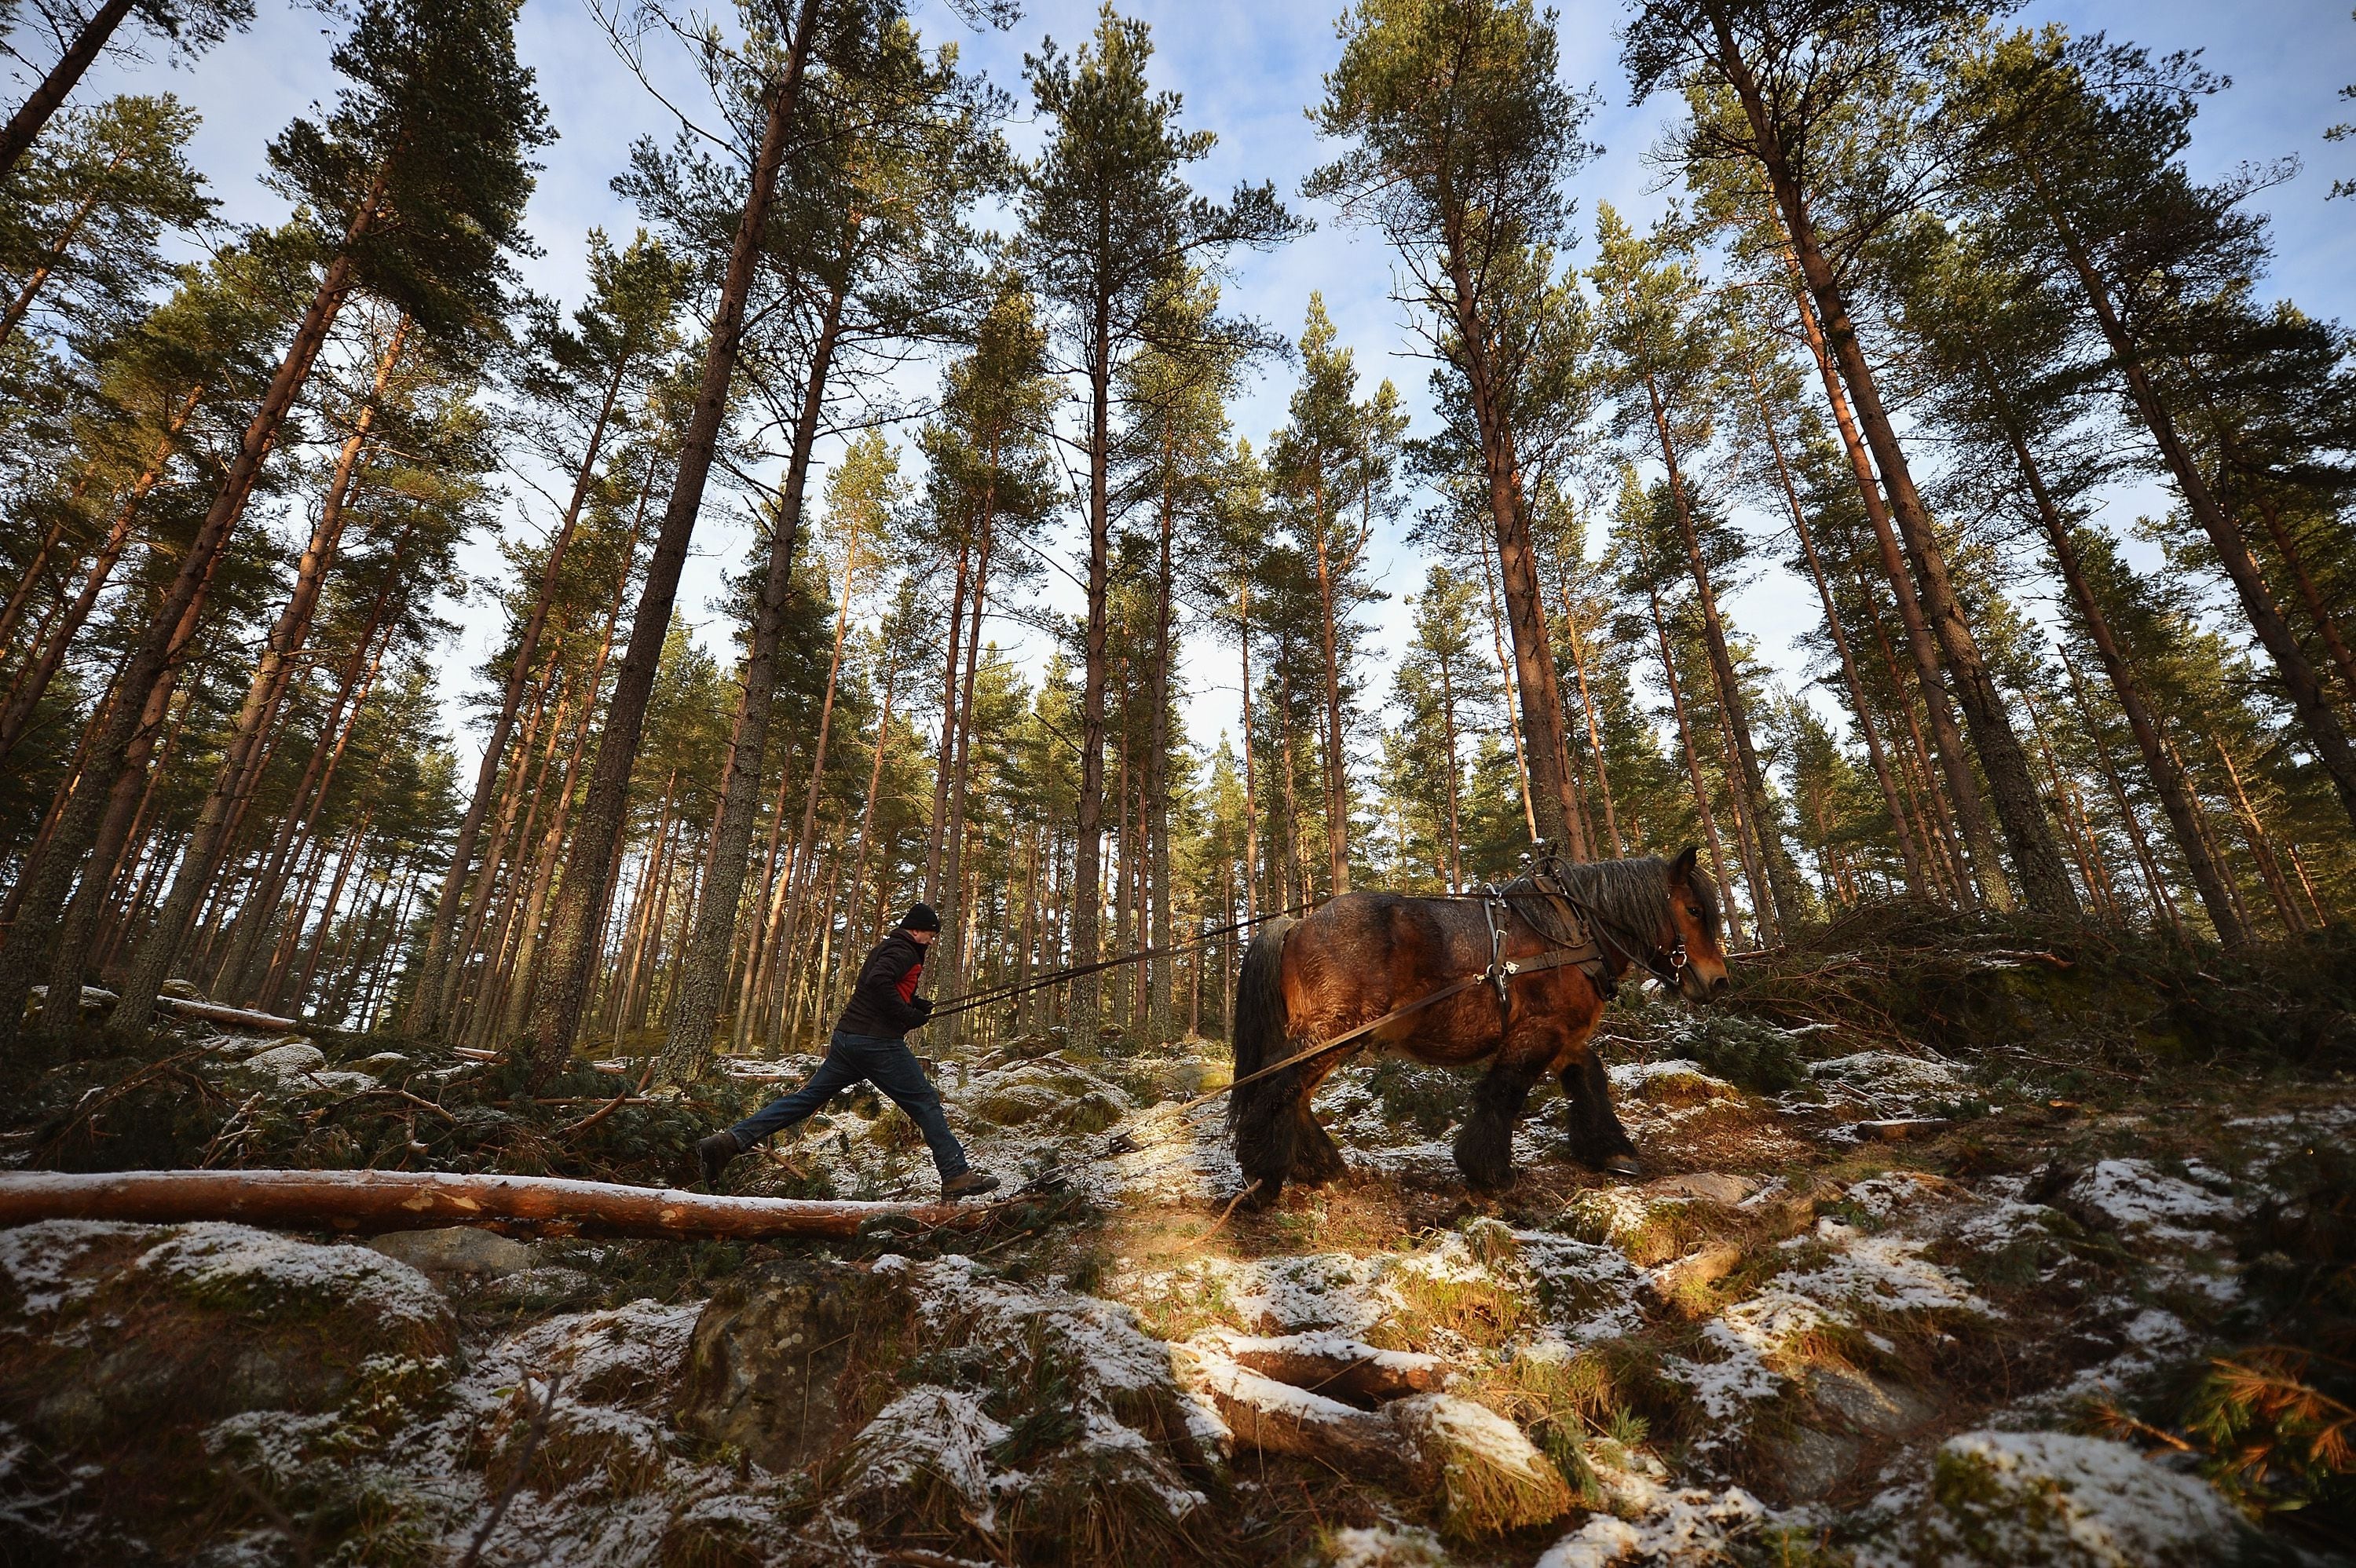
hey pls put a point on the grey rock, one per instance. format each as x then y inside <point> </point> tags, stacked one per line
<point>1873,1406</point>
<point>457,1250</point>
<point>1813,1464</point>
<point>547,1288</point>
<point>769,1348</point>
<point>293,1058</point>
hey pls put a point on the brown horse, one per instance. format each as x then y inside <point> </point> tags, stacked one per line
<point>1366,953</point>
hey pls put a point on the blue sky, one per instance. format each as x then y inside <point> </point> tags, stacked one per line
<point>1246,72</point>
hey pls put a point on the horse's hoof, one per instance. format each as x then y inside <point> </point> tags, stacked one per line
<point>1622,1164</point>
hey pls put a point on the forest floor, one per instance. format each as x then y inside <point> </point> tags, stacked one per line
<point>1959,1244</point>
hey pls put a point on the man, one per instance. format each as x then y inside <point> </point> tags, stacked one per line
<point>868,1044</point>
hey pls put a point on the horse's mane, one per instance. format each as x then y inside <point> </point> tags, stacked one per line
<point>1631,894</point>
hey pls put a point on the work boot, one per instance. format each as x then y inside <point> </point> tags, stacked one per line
<point>713,1153</point>
<point>969,1184</point>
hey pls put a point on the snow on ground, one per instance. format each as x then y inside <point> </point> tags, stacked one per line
<point>2003,1497</point>
<point>1733,1291</point>
<point>2143,1199</point>
<point>1652,1523</point>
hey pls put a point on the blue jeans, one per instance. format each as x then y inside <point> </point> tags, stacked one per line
<point>885,1062</point>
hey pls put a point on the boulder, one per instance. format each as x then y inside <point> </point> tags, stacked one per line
<point>1047,1090</point>
<point>2065,1501</point>
<point>771,1348</point>
<point>288,1059</point>
<point>1494,1479</point>
<point>117,1330</point>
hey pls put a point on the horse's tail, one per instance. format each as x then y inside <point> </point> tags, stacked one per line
<point>1260,1031</point>
<point>1259,1114</point>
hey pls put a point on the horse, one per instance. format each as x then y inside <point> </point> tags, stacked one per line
<point>1366,955</point>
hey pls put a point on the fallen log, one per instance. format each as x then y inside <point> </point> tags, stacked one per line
<point>215,1013</point>
<point>370,1201</point>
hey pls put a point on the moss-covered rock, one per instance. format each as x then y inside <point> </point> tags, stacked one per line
<point>2049,1499</point>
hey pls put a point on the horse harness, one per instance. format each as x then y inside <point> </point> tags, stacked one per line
<point>1584,945</point>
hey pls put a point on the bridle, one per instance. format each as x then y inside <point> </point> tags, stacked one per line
<point>1665,964</point>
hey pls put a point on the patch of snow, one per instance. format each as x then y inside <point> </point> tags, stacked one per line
<point>210,1256</point>
<point>38,1260</point>
<point>1723,1388</point>
<point>1884,1195</point>
<point>1873,1075</point>
<point>2141,1198</point>
<point>937,1432</point>
<point>1385,1546</point>
<point>1678,1072</point>
<point>1653,1524</point>
<point>2051,1497</point>
<point>1887,1273</point>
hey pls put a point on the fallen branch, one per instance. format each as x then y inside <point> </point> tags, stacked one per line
<point>371,1202</point>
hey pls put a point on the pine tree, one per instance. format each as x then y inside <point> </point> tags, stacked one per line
<point>419,177</point>
<point>1468,185</point>
<point>1109,224</point>
<point>1333,466</point>
<point>192,27</point>
<point>773,81</point>
<point>1800,73</point>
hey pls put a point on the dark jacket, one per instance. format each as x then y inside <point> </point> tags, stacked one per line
<point>883,1002</point>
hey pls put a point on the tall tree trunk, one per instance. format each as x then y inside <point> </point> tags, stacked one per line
<point>703,976</point>
<point>2044,879</point>
<point>1455,778</point>
<point>22,305</point>
<point>1513,714</point>
<point>2262,851</point>
<point>1594,733</point>
<point>1337,771</point>
<point>1693,776</point>
<point>17,137</point>
<point>240,768</point>
<point>2299,674</point>
<point>2175,794</point>
<point>936,825</point>
<point>867,808</point>
<point>800,870</point>
<point>1087,872</point>
<point>2163,907</point>
<point>33,682</point>
<point>955,917</point>
<point>427,1007</point>
<point>1548,755</point>
<point>564,983</point>
<point>1159,973</point>
<point>1251,798</point>
<point>1750,779</point>
<point>48,880</point>
<point>302,986</point>
<point>352,687</point>
<point>1890,798</point>
<point>1946,740</point>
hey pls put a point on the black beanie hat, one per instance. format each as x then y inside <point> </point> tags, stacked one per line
<point>920,917</point>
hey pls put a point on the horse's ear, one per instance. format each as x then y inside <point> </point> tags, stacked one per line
<point>1681,870</point>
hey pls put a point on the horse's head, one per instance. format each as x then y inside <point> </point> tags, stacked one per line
<point>1693,911</point>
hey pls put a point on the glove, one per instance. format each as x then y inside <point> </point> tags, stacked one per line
<point>921,1004</point>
